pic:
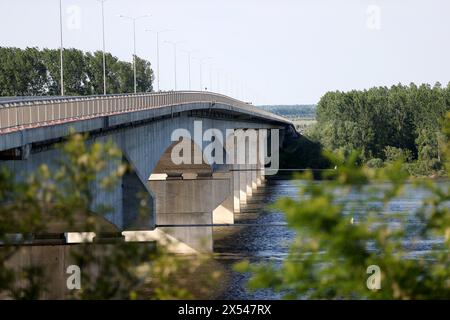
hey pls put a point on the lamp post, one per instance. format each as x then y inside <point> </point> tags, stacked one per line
<point>227,83</point>
<point>218,81</point>
<point>61,67</point>
<point>157,52</point>
<point>134,43</point>
<point>189,69</point>
<point>210,78</point>
<point>231,86</point>
<point>189,55</point>
<point>174,44</point>
<point>200,62</point>
<point>103,41</point>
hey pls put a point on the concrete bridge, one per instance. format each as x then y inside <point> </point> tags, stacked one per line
<point>187,199</point>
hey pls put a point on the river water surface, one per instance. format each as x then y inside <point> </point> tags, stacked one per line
<point>261,234</point>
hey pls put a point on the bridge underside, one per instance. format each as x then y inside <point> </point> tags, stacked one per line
<point>185,200</point>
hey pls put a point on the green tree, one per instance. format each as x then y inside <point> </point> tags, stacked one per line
<point>22,72</point>
<point>144,75</point>
<point>51,60</point>
<point>94,69</point>
<point>125,77</point>
<point>76,81</point>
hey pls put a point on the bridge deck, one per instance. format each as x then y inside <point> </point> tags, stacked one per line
<point>18,113</point>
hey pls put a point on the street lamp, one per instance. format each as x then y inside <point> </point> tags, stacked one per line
<point>174,44</point>
<point>134,43</point>
<point>218,81</point>
<point>210,78</point>
<point>229,84</point>
<point>61,47</point>
<point>230,78</point>
<point>189,53</point>
<point>240,91</point>
<point>227,87</point>
<point>200,62</point>
<point>103,37</point>
<point>157,50</point>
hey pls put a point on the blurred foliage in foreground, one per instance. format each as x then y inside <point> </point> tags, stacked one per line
<point>331,253</point>
<point>60,194</point>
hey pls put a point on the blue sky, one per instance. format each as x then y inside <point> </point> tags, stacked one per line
<point>267,52</point>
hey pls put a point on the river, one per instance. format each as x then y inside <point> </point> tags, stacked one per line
<point>261,235</point>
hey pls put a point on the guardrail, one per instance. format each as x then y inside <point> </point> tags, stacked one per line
<point>42,111</point>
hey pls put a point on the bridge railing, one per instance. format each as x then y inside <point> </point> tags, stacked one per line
<point>42,111</point>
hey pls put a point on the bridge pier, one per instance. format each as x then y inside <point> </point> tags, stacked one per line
<point>188,208</point>
<point>224,213</point>
<point>248,171</point>
<point>251,173</point>
<point>242,184</point>
<point>236,189</point>
<point>191,199</point>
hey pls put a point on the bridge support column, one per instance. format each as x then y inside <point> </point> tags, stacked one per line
<point>252,164</point>
<point>248,168</point>
<point>258,168</point>
<point>132,191</point>
<point>224,213</point>
<point>260,161</point>
<point>185,211</point>
<point>248,172</point>
<point>242,184</point>
<point>254,177</point>
<point>236,190</point>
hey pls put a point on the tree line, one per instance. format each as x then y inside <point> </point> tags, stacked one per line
<point>292,111</point>
<point>386,124</point>
<point>34,72</point>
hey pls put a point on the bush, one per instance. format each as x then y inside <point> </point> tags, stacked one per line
<point>393,154</point>
<point>375,163</point>
<point>424,167</point>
